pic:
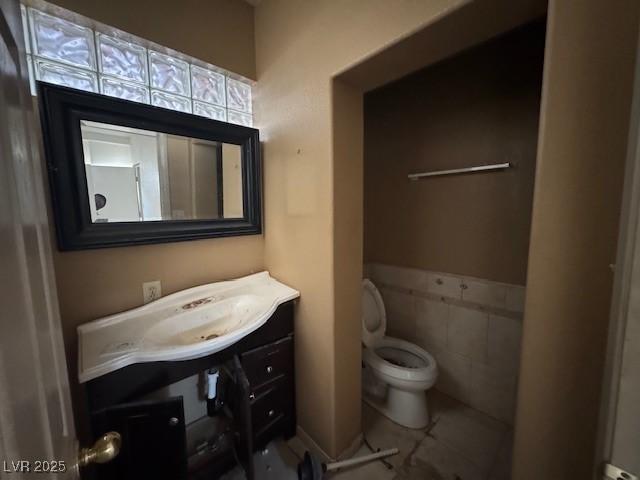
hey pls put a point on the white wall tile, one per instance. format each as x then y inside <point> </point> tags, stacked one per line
<point>477,352</point>
<point>493,391</point>
<point>443,285</point>
<point>484,293</point>
<point>402,326</point>
<point>366,270</point>
<point>373,271</point>
<point>380,273</point>
<point>401,316</point>
<point>495,378</point>
<point>467,332</point>
<point>431,322</point>
<point>503,342</point>
<point>454,374</point>
<point>400,277</point>
<point>397,302</point>
<point>515,298</point>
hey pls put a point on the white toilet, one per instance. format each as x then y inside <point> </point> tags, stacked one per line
<point>402,372</point>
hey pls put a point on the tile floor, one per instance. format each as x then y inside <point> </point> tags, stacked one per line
<point>460,444</point>
<point>275,462</point>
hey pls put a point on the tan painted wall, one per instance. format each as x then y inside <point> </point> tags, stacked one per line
<point>313,233</point>
<point>348,140</point>
<point>583,135</point>
<point>95,283</point>
<point>219,32</point>
<point>299,47</point>
<point>478,108</point>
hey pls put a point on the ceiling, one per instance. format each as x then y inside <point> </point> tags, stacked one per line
<point>470,25</point>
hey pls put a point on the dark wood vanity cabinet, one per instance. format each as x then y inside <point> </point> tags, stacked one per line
<point>257,389</point>
<point>269,369</point>
<point>150,431</point>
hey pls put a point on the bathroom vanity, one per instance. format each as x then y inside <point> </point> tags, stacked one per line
<point>186,402</point>
<point>198,380</point>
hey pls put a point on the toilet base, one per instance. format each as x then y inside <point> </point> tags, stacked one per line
<point>403,407</point>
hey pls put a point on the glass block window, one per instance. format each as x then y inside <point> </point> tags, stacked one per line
<point>122,59</point>
<point>208,86</point>
<point>119,65</point>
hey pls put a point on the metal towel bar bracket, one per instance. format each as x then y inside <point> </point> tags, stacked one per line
<point>480,168</point>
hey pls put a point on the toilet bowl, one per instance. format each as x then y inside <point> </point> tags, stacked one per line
<point>402,371</point>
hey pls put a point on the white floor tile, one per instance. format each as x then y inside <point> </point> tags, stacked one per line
<point>374,470</point>
<point>471,434</point>
<point>501,469</point>
<point>464,444</point>
<point>434,457</point>
<point>382,433</point>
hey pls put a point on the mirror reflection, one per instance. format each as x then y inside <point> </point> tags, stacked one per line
<point>138,175</point>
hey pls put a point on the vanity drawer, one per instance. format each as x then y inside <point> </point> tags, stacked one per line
<point>268,403</point>
<point>269,362</point>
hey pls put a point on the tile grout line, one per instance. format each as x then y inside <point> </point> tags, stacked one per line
<point>458,302</point>
<point>504,437</point>
<point>407,460</point>
<point>465,457</point>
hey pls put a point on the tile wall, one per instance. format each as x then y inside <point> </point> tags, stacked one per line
<point>471,326</point>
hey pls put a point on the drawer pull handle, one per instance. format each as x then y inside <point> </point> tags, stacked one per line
<point>271,413</point>
<point>269,369</point>
<point>252,396</point>
<point>173,421</point>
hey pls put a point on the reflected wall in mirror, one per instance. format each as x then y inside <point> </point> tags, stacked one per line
<point>136,175</point>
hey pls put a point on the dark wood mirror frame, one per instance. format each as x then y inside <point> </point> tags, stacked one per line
<point>62,109</point>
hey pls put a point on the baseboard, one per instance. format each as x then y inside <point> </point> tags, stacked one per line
<point>313,447</point>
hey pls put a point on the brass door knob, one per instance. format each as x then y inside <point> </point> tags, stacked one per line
<point>104,450</point>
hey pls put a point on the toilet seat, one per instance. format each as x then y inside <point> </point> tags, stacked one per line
<point>374,326</point>
<point>374,316</point>
<point>425,373</point>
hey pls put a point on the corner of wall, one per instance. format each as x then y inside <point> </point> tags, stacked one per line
<point>347,245</point>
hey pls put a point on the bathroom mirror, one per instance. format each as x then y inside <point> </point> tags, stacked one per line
<point>137,175</point>
<point>124,173</point>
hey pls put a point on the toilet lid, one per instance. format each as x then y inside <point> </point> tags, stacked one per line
<point>374,318</point>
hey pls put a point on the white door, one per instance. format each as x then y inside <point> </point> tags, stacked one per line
<point>36,423</point>
<point>619,439</point>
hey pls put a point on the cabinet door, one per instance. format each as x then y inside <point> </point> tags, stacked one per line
<point>153,440</point>
<point>240,407</point>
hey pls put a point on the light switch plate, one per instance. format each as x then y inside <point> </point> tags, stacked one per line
<point>151,291</point>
